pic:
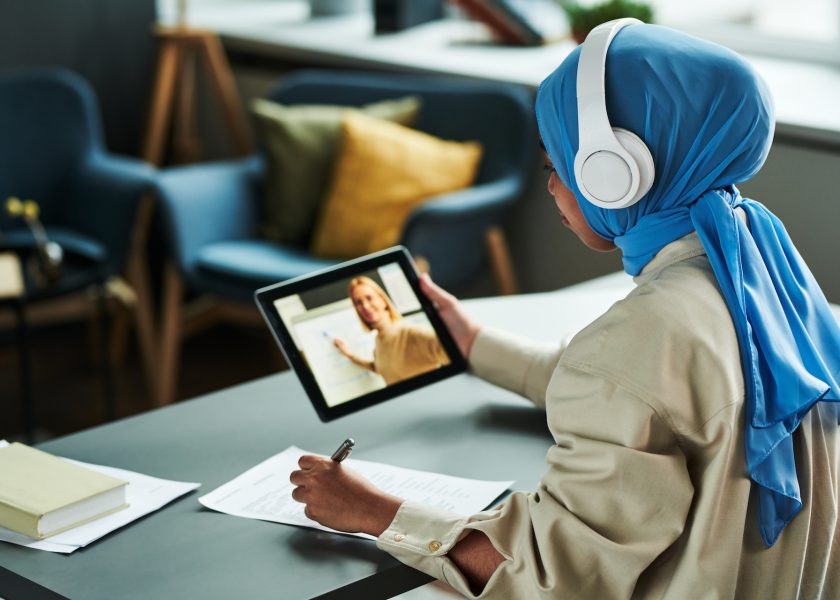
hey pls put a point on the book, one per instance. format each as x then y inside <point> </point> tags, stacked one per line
<point>518,22</point>
<point>41,495</point>
<point>11,280</point>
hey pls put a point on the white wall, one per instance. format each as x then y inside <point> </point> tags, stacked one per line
<point>801,185</point>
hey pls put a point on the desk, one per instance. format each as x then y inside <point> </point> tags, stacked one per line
<point>185,551</point>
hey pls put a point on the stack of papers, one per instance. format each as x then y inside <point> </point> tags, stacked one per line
<point>144,494</point>
<point>264,492</point>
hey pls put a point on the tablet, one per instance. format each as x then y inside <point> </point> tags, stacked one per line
<point>359,333</point>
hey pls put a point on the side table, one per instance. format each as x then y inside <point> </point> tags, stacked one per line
<point>80,271</point>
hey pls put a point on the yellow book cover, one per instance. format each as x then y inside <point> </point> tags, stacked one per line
<point>41,495</point>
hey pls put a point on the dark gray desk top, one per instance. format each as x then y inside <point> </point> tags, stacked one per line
<point>461,427</point>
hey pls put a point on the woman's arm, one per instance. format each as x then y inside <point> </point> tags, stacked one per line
<point>339,498</point>
<point>616,494</point>
<point>357,360</point>
<point>477,559</point>
<point>515,363</point>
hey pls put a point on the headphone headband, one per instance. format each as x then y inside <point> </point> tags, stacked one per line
<point>591,92</point>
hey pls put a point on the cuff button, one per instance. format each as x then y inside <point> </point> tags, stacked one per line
<point>435,546</point>
<point>398,537</point>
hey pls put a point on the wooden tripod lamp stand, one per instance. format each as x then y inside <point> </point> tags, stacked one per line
<point>181,49</point>
<point>173,110</point>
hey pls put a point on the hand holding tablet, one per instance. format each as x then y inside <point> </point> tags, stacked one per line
<point>360,333</point>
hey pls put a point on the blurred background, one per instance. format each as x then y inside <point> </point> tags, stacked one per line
<point>149,164</point>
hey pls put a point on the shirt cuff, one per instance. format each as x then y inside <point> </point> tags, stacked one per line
<point>420,536</point>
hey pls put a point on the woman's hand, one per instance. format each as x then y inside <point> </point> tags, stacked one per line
<point>341,499</point>
<point>463,329</point>
<point>342,347</point>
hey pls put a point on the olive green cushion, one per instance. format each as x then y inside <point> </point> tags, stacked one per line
<point>301,143</point>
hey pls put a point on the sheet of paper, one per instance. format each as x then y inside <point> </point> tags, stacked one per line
<point>264,492</point>
<point>144,494</point>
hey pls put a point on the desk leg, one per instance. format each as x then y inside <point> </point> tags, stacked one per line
<point>25,373</point>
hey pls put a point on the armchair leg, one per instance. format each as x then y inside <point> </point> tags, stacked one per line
<point>119,335</point>
<point>170,337</point>
<point>104,356</point>
<point>500,261</point>
<point>136,297</point>
<point>138,278</point>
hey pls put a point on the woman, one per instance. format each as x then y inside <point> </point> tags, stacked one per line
<point>696,422</point>
<point>402,350</point>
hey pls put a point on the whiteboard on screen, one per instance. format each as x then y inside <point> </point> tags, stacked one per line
<point>339,378</point>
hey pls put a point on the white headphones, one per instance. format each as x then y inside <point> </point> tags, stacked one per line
<point>613,167</point>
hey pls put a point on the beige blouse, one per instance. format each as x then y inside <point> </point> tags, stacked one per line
<point>645,494</point>
<point>404,350</point>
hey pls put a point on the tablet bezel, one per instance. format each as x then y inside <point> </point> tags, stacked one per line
<point>265,298</point>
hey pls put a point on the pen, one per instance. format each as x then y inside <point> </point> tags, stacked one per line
<point>344,450</point>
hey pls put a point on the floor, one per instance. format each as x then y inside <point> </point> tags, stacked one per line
<point>68,384</point>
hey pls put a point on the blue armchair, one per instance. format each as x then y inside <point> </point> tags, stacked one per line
<point>52,151</point>
<point>212,210</point>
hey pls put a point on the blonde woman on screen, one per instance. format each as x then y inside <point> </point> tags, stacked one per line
<point>403,349</point>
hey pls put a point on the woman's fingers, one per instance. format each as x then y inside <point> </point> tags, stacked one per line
<point>435,293</point>
<point>299,494</point>
<point>462,328</point>
<point>307,461</point>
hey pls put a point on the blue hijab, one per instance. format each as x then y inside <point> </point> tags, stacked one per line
<point>707,118</point>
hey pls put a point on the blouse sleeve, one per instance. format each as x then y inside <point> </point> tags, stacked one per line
<point>432,349</point>
<point>515,363</point>
<point>615,496</point>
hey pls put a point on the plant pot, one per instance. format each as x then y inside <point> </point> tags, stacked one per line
<point>579,36</point>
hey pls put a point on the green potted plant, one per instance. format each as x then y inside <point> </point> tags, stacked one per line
<point>584,18</point>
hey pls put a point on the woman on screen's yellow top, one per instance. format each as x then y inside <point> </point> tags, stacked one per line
<point>402,350</point>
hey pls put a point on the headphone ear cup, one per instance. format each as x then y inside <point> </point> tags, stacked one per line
<point>644,160</point>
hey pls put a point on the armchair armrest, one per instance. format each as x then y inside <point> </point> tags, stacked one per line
<point>449,230</point>
<point>207,203</point>
<point>104,196</point>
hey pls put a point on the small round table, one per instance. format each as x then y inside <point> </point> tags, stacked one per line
<point>79,271</point>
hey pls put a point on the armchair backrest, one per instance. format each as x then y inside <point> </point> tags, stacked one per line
<point>500,116</point>
<point>49,124</point>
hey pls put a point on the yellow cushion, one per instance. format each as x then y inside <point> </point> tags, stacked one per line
<point>301,143</point>
<point>382,172</point>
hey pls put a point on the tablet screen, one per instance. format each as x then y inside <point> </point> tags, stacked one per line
<point>360,333</point>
